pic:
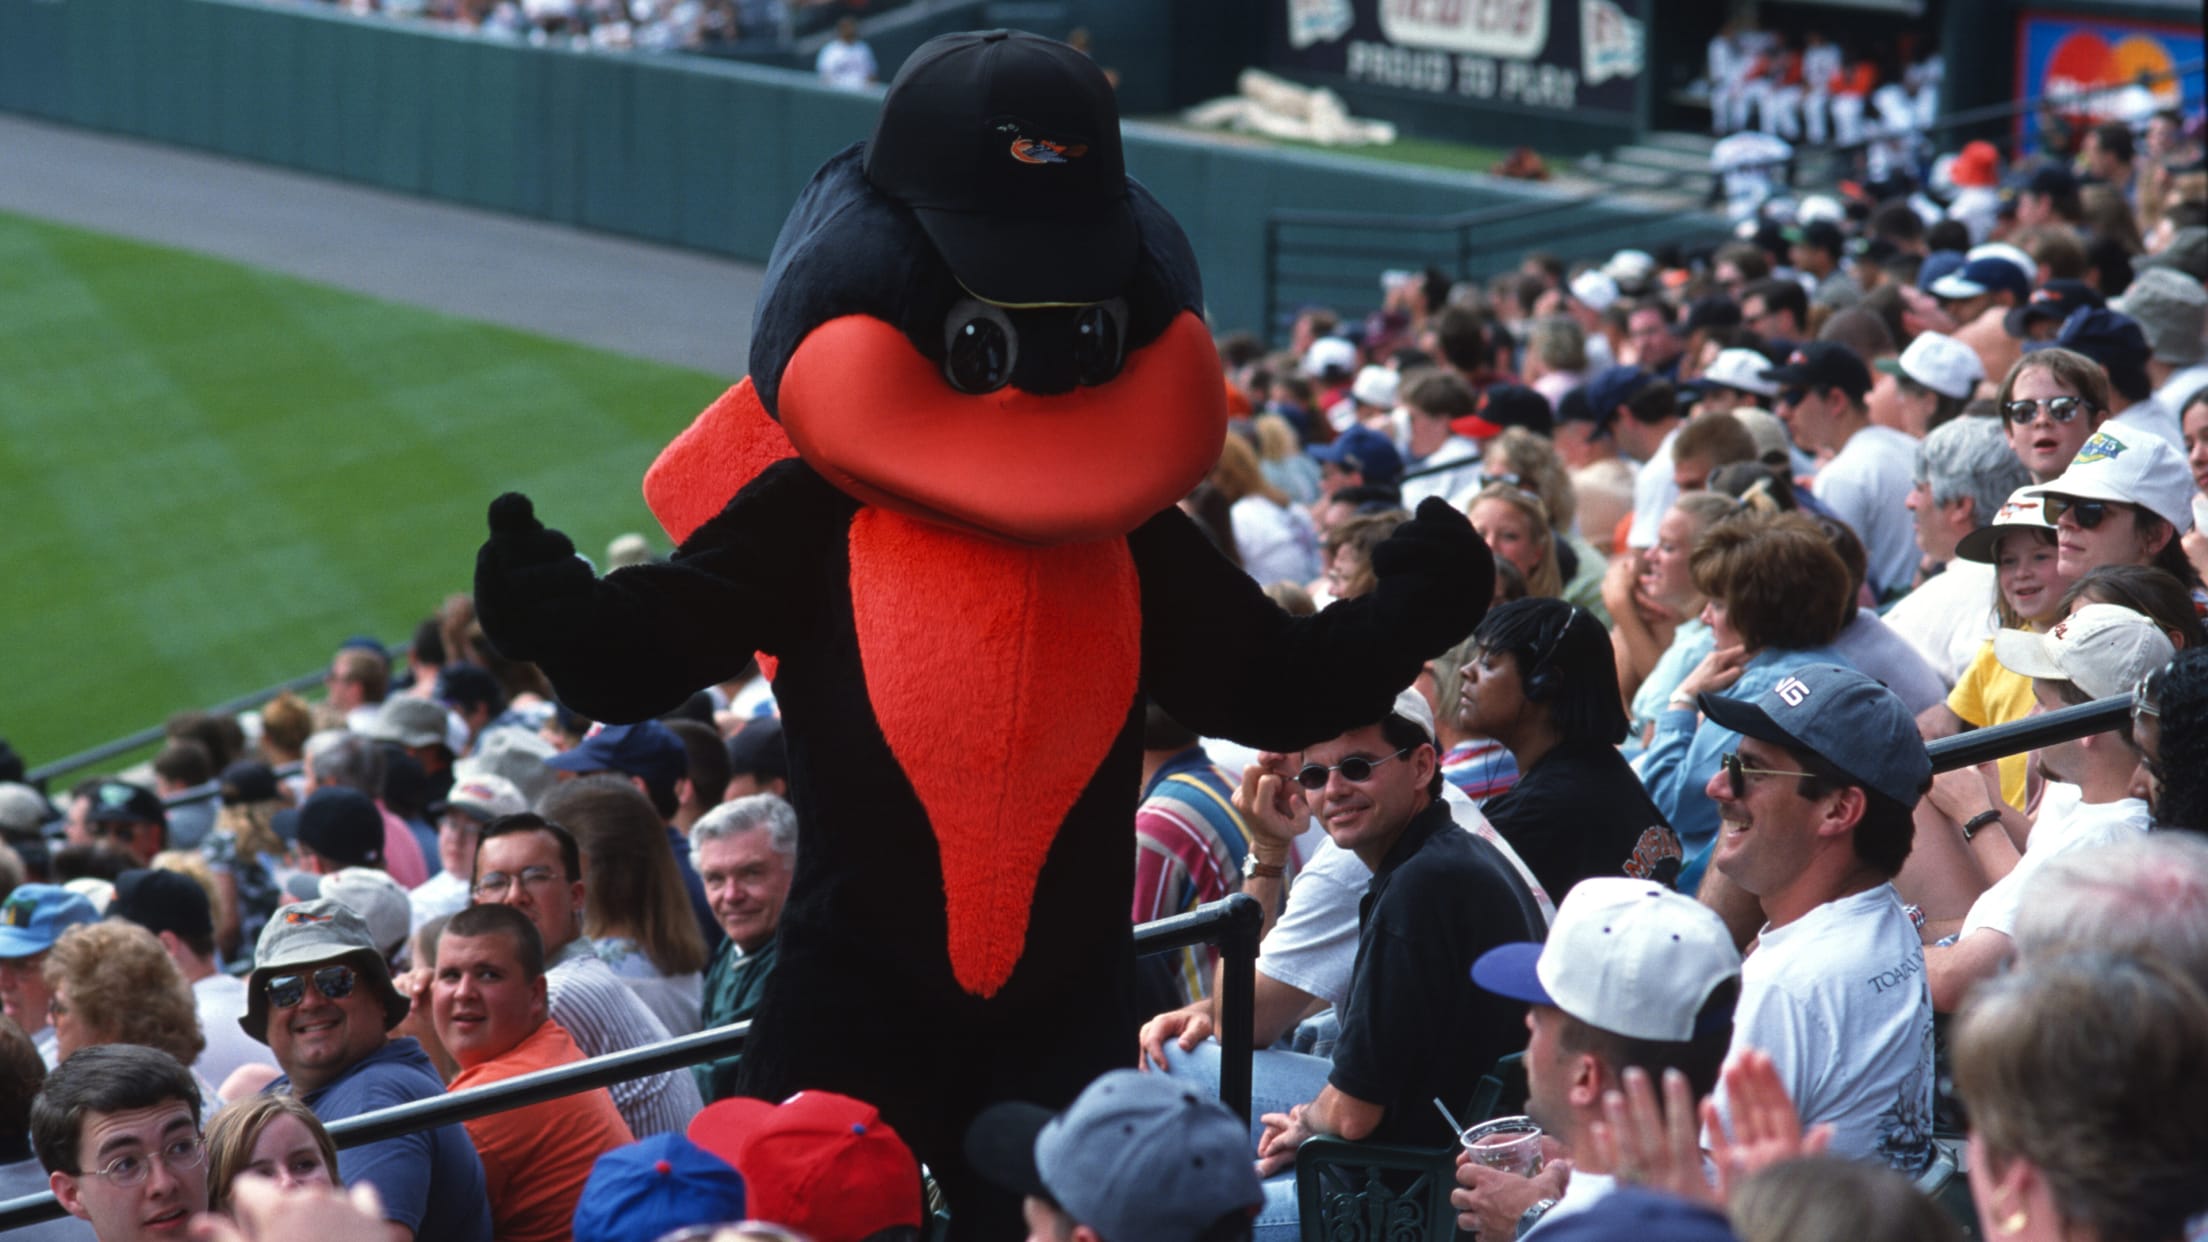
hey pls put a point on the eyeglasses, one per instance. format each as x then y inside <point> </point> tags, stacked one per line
<point>184,1153</point>
<point>333,982</point>
<point>497,882</point>
<point>1737,773</point>
<point>2089,513</point>
<point>58,1008</point>
<point>2061,409</point>
<point>1356,770</point>
<point>2144,694</point>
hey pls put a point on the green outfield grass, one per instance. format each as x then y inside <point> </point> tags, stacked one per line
<point>210,474</point>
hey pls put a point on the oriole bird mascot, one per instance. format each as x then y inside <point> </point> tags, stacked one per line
<point>942,508</point>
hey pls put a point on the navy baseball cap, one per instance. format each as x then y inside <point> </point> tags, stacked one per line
<point>1612,387</point>
<point>1503,406</point>
<point>1847,719</point>
<point>648,750</point>
<point>1981,276</point>
<point>162,901</point>
<point>1938,265</point>
<point>120,802</point>
<point>2056,300</point>
<point>2114,340</point>
<point>1005,146</point>
<point>1366,451</point>
<point>1819,365</point>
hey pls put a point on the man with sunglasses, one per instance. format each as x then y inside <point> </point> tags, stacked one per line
<point>117,1129</point>
<point>130,818</point>
<point>321,998</point>
<point>1815,822</point>
<point>1414,1027</point>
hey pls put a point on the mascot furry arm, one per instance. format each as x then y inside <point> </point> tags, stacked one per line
<point>943,505</point>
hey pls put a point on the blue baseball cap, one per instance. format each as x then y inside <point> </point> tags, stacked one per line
<point>648,750</point>
<point>1367,452</point>
<point>655,1186</point>
<point>1843,717</point>
<point>34,916</point>
<point>1612,387</point>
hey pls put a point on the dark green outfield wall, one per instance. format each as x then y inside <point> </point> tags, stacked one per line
<point>671,149</point>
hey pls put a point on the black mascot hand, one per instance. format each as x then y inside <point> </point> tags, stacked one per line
<point>532,593</point>
<point>1436,577</point>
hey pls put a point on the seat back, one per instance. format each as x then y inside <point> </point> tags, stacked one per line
<point>1373,1192</point>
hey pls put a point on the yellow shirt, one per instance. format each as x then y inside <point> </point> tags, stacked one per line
<point>1989,694</point>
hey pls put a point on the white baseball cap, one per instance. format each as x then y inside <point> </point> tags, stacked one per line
<point>2104,649</point>
<point>1742,369</point>
<point>2136,467</point>
<point>2022,508</point>
<point>1628,956</point>
<point>2013,255</point>
<point>1329,354</point>
<point>1940,363</point>
<point>486,796</point>
<point>1595,289</point>
<point>1412,706</point>
<point>1375,386</point>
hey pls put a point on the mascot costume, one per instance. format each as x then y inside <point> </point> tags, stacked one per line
<point>942,510</point>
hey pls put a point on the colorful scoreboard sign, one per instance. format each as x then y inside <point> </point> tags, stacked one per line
<point>2091,67</point>
<point>1562,56</point>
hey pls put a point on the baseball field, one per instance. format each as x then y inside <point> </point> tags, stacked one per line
<point>212,474</point>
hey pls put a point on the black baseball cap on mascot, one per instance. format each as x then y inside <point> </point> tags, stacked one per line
<point>1006,147</point>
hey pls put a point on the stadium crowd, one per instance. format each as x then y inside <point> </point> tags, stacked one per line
<point>1767,520</point>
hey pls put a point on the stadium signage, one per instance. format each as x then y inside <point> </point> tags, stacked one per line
<point>1546,55</point>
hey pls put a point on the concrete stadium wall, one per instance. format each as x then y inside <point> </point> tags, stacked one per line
<point>680,150</point>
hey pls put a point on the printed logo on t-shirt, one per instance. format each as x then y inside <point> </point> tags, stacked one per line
<point>1656,856</point>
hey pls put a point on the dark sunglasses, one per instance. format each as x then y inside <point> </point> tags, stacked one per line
<point>2089,513</point>
<point>1737,773</point>
<point>333,982</point>
<point>1356,770</point>
<point>2061,409</point>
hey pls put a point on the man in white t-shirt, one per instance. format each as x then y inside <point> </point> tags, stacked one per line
<point>1632,974</point>
<point>1867,482</point>
<point>1815,822</point>
<point>846,62</point>
<point>1965,472</point>
<point>2098,651</point>
<point>1642,412</point>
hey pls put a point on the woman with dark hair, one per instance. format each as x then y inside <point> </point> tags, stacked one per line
<point>1542,682</point>
<point>2147,590</point>
<point>1777,597</point>
<point>2169,722</point>
<point>635,908</point>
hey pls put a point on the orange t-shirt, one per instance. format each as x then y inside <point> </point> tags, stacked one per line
<point>536,1159</point>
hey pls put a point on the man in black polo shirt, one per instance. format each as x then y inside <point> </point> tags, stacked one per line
<point>1544,682</point>
<point>1414,1027</point>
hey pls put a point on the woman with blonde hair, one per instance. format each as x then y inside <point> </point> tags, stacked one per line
<point>275,1136</point>
<point>113,983</point>
<point>1273,537</point>
<point>1528,461</point>
<point>1515,525</point>
<point>1658,634</point>
<point>1280,455</point>
<point>635,907</point>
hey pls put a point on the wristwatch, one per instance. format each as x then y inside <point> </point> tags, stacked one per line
<point>1532,1215</point>
<point>1253,869</point>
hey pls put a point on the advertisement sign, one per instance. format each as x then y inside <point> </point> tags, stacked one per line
<point>2091,66</point>
<point>1551,55</point>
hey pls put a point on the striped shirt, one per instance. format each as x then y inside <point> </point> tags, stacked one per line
<point>603,1016</point>
<point>1189,846</point>
<point>1481,767</point>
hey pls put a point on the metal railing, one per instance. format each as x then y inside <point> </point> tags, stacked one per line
<point>1231,923</point>
<point>1992,742</point>
<point>44,774</point>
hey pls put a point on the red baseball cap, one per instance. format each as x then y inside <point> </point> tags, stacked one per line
<point>821,1163</point>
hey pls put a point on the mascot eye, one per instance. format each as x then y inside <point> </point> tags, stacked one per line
<point>1099,336</point>
<point>980,347</point>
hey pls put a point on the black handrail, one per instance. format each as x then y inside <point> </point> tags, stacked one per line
<point>1232,923</point>
<point>129,742</point>
<point>1978,746</point>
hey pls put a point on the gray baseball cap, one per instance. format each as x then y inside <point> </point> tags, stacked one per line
<point>1136,1156</point>
<point>1848,720</point>
<point>316,933</point>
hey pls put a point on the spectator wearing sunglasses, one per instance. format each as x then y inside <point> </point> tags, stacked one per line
<point>130,818</point>
<point>2050,401</point>
<point>2125,500</point>
<point>1815,805</point>
<point>117,1129</point>
<point>1413,1027</point>
<point>321,998</point>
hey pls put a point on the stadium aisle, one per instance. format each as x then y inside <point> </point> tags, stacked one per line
<point>648,301</point>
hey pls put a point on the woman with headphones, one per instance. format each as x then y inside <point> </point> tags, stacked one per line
<point>1544,683</point>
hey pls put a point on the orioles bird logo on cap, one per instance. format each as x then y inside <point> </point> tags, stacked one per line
<point>1039,150</point>
<point>300,918</point>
